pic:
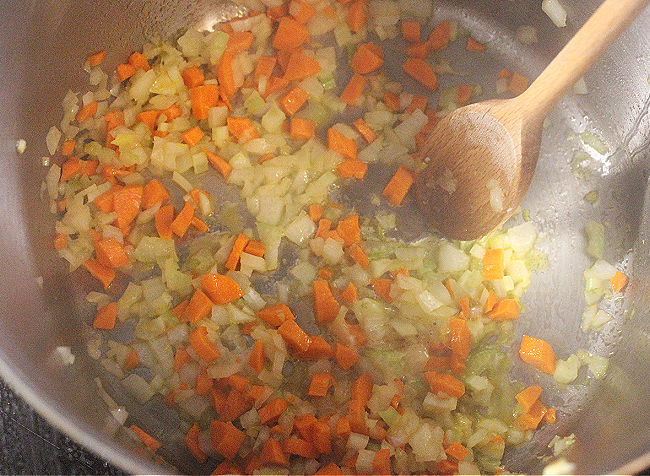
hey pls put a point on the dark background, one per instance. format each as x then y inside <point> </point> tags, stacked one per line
<point>29,445</point>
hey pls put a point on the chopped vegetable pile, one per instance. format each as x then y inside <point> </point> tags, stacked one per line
<point>301,338</point>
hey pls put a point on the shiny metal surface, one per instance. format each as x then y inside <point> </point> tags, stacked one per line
<point>43,45</point>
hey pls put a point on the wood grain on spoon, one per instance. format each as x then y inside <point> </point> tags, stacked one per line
<point>477,164</point>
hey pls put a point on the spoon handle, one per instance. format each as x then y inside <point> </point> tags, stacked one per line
<point>580,53</point>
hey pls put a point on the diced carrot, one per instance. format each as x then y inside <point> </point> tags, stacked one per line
<point>235,405</point>
<point>319,348</point>
<point>203,383</point>
<point>202,98</point>
<point>528,396</point>
<point>618,281</point>
<point>367,58</point>
<point>343,427</point>
<point>325,273</point>
<point>357,416</point>
<point>132,360</point>
<point>300,447</point>
<point>102,273</point>
<point>227,467</point>
<point>113,119</point>
<point>154,193</point>
<point>531,419</point>
<point>322,434</point>
<point>302,129</point>
<point>255,248</point>
<point>365,130</point>
<point>202,345</point>
<point>518,83</point>
<point>126,204</point>
<point>457,451</point>
<point>337,142</point>
<point>506,309</point>
<point>362,388</point>
<point>182,221</point>
<point>192,443</point>
<point>106,317</point>
<point>550,415</point>
<point>303,425</point>
<point>315,212</point>
<point>97,58</point>
<point>265,65</point>
<point>381,462</point>
<point>293,100</point>
<point>460,340</point>
<point>300,66</point>
<point>463,303</point>
<point>464,94</point>
<point>256,359</point>
<point>445,383</point>
<point>242,128</point>
<point>352,169</point>
<point>381,287</point>
<point>418,102</point>
<point>67,149</point>
<point>411,31</point>
<point>326,307</point>
<point>290,34</point>
<point>490,302</point>
<point>139,61</point>
<point>199,225</point>
<point>70,168</point>
<point>273,85</point>
<point>87,111</point>
<point>323,228</point>
<point>392,101</point>
<point>355,251</point>
<point>221,289</point>
<point>440,36</point>
<point>193,77</point>
<point>226,439</point>
<point>238,382</point>
<point>237,249</point>
<point>357,15</point>
<point>349,294</point>
<point>418,50</point>
<point>493,264</point>
<point>354,89</point>
<point>199,307</point>
<point>110,253</point>
<point>505,74</point>
<point>149,441</point>
<point>276,314</point>
<point>60,241</point>
<point>148,118</point>
<point>301,11</point>
<point>345,356</point>
<point>181,357</point>
<point>218,163</point>
<point>272,410</point>
<point>537,352</point>
<point>272,453</point>
<point>192,136</point>
<point>276,13</point>
<point>473,45</point>
<point>420,70</point>
<point>163,220</point>
<point>319,385</point>
<point>179,309</point>
<point>398,186</point>
<point>446,467</point>
<point>125,71</point>
<point>239,41</point>
<point>293,334</point>
<point>329,469</point>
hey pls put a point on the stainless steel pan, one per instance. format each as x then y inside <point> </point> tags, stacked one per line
<point>42,46</point>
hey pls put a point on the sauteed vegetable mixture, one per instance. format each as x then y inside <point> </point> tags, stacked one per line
<point>291,333</point>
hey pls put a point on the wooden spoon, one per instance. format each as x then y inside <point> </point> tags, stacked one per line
<point>479,160</point>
